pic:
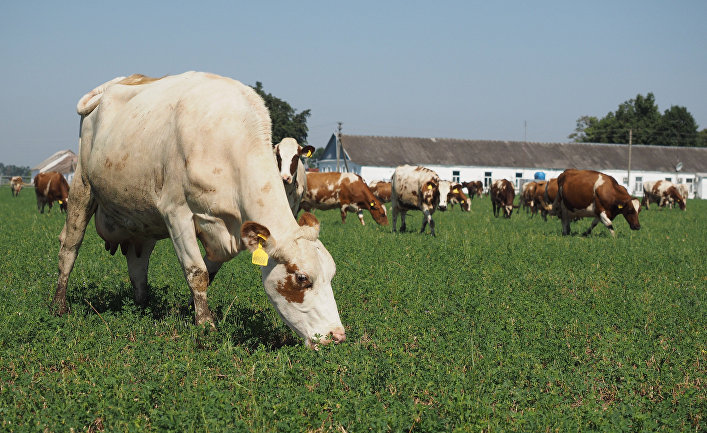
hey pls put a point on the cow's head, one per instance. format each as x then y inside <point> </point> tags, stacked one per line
<point>376,208</point>
<point>445,190</point>
<point>456,195</point>
<point>287,153</point>
<point>630,208</point>
<point>297,280</point>
<point>430,193</point>
<point>677,196</point>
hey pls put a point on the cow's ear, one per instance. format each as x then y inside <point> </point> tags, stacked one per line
<point>306,151</point>
<point>254,234</point>
<point>309,226</point>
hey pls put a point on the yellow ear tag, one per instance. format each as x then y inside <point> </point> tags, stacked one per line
<point>429,186</point>
<point>309,153</point>
<point>61,202</point>
<point>621,206</point>
<point>260,257</point>
<point>372,204</point>
<point>455,191</point>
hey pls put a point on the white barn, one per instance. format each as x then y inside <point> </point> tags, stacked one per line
<point>375,158</point>
<point>63,161</point>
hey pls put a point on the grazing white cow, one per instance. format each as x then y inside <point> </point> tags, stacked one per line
<point>294,176</point>
<point>415,188</point>
<point>200,146</point>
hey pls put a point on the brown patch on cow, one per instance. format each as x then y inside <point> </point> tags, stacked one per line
<point>217,170</point>
<point>293,165</point>
<point>414,193</point>
<point>260,202</point>
<point>266,188</point>
<point>108,163</point>
<point>291,289</point>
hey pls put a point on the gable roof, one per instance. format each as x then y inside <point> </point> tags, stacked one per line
<point>393,151</point>
<point>63,161</point>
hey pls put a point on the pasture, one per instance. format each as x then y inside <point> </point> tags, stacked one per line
<point>494,325</point>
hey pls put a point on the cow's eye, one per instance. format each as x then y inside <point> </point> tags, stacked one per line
<point>303,280</point>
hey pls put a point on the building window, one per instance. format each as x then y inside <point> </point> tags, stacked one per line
<point>487,179</point>
<point>690,185</point>
<point>455,176</point>
<point>519,176</point>
<point>669,179</point>
<point>639,183</point>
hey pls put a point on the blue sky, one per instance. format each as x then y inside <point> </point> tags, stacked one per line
<point>456,69</point>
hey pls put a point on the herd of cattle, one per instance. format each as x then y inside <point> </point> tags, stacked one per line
<point>209,173</point>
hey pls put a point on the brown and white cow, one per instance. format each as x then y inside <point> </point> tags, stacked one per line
<point>549,197</point>
<point>588,193</point>
<point>663,192</point>
<point>414,188</point>
<point>474,188</point>
<point>201,146</point>
<point>16,185</point>
<point>527,197</point>
<point>684,190</point>
<point>450,193</point>
<point>539,203</point>
<point>382,190</point>
<point>49,187</point>
<point>294,177</point>
<point>344,191</point>
<point>502,195</point>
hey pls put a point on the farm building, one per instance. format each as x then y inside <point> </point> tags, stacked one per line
<point>375,158</point>
<point>63,161</point>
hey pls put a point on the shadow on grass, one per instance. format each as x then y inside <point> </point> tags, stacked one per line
<point>241,325</point>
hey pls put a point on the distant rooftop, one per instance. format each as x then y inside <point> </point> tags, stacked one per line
<point>394,151</point>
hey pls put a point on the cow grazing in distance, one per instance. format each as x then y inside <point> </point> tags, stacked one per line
<point>549,196</point>
<point>663,192</point>
<point>294,177</point>
<point>502,195</point>
<point>201,147</point>
<point>588,193</point>
<point>49,187</point>
<point>684,190</point>
<point>527,197</point>
<point>414,188</point>
<point>16,185</point>
<point>344,191</point>
<point>450,193</point>
<point>475,188</point>
<point>382,190</point>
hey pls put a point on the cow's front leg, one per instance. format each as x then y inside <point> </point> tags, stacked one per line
<point>595,221</point>
<point>427,218</point>
<point>343,214</point>
<point>403,227</point>
<point>607,222</point>
<point>360,217</point>
<point>183,235</point>
<point>138,257</point>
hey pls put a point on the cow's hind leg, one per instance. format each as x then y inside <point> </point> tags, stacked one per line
<point>81,208</point>
<point>403,226</point>
<point>138,257</point>
<point>595,221</point>
<point>181,230</point>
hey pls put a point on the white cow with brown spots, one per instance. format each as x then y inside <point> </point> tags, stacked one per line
<point>16,185</point>
<point>450,193</point>
<point>415,188</point>
<point>201,146</point>
<point>294,176</point>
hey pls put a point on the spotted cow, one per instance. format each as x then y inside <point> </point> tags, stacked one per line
<point>450,193</point>
<point>49,187</point>
<point>663,192</point>
<point>588,193</point>
<point>474,188</point>
<point>414,188</point>
<point>16,185</point>
<point>344,191</point>
<point>382,190</point>
<point>502,196</point>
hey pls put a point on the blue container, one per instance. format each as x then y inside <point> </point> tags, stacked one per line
<point>539,175</point>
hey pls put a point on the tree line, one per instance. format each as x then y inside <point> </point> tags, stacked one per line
<point>639,121</point>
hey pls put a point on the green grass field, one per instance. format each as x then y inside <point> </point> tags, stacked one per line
<point>494,325</point>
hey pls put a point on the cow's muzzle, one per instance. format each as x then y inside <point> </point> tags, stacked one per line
<point>337,335</point>
<point>287,178</point>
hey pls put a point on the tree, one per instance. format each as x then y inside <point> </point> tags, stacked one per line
<point>640,121</point>
<point>13,170</point>
<point>286,121</point>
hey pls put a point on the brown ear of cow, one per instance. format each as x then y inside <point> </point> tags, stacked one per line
<point>253,234</point>
<point>306,151</point>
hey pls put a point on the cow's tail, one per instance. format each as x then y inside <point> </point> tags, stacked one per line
<point>90,100</point>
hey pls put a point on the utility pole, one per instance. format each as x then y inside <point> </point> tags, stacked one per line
<point>340,150</point>
<point>338,144</point>
<point>630,139</point>
<point>525,131</point>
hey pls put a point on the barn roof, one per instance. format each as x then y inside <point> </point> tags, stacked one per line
<point>63,161</point>
<point>393,151</point>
